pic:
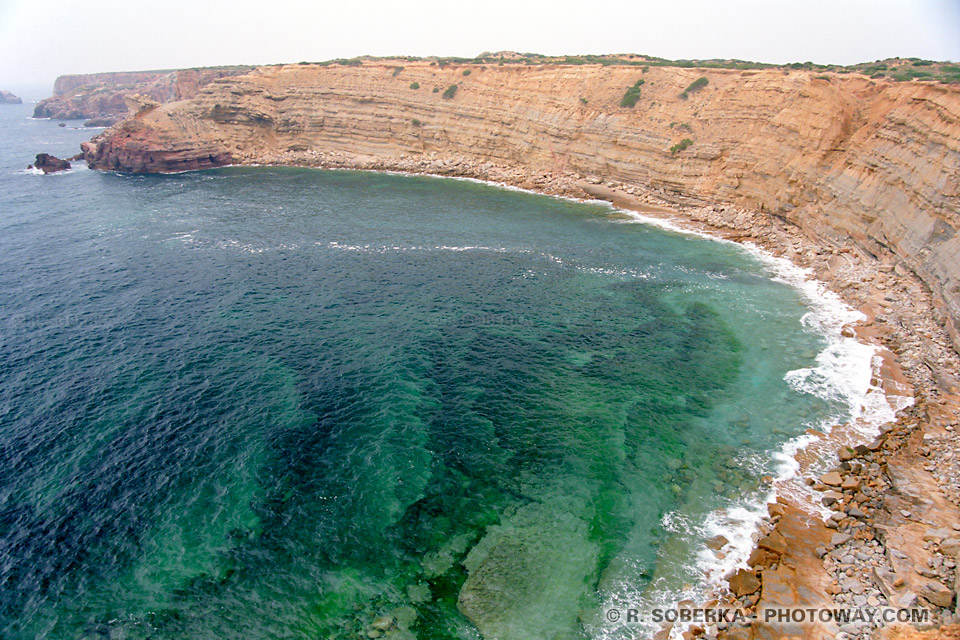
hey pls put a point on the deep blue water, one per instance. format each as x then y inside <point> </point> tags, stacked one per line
<point>284,403</point>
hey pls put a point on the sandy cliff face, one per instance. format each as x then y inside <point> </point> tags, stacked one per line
<point>100,96</point>
<point>841,156</point>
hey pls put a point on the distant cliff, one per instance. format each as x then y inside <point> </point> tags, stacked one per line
<point>8,98</point>
<point>99,97</point>
<point>840,155</point>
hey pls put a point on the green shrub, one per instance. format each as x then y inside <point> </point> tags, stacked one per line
<point>466,72</point>
<point>396,71</point>
<point>827,78</point>
<point>414,85</point>
<point>451,91</point>
<point>695,86</point>
<point>680,146</point>
<point>686,127</point>
<point>583,101</point>
<point>632,95</point>
<point>415,122</point>
<point>436,89</point>
<point>673,124</point>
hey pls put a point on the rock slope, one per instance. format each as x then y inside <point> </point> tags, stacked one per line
<point>841,156</point>
<point>99,97</point>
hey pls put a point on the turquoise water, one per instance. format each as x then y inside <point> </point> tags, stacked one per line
<point>284,403</point>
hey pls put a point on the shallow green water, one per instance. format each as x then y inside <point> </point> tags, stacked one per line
<point>269,403</point>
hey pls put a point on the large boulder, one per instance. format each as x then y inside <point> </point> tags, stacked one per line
<point>50,164</point>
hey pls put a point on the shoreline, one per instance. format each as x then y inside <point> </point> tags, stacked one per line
<point>803,548</point>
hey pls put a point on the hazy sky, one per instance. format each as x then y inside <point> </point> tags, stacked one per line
<point>41,39</point>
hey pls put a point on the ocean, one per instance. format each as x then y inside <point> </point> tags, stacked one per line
<point>290,403</point>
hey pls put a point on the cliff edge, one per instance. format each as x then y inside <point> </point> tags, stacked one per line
<point>841,156</point>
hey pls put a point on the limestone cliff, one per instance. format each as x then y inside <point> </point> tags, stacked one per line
<point>841,156</point>
<point>100,96</point>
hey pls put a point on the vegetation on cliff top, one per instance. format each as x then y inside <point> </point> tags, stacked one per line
<point>896,69</point>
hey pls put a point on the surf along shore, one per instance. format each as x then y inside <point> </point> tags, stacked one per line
<point>891,498</point>
<point>877,524</point>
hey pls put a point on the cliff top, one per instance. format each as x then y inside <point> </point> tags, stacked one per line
<point>896,69</point>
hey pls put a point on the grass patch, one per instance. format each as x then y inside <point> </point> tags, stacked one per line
<point>632,95</point>
<point>680,146</point>
<point>583,101</point>
<point>414,85</point>
<point>451,91</point>
<point>396,71</point>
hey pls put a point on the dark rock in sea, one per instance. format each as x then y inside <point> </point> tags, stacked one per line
<point>62,124</point>
<point>50,164</point>
<point>8,98</point>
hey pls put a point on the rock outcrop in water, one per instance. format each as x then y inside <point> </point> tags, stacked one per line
<point>8,98</point>
<point>100,97</point>
<point>50,164</point>
<point>841,156</point>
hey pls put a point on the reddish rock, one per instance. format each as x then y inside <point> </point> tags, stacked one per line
<point>775,543</point>
<point>762,559</point>
<point>50,164</point>
<point>717,542</point>
<point>131,147</point>
<point>744,582</point>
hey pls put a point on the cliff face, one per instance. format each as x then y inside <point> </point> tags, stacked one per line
<point>100,96</point>
<point>841,156</point>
